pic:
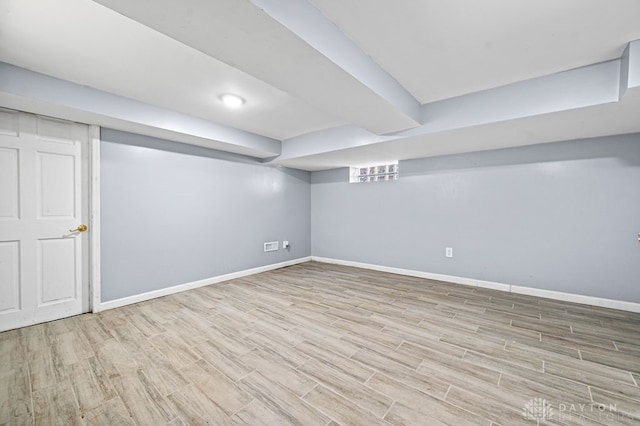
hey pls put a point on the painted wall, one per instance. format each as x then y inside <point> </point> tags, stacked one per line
<point>174,213</point>
<point>563,216</point>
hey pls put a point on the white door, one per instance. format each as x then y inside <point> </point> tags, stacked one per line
<point>43,197</point>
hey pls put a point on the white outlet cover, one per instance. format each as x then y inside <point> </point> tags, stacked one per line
<point>448,252</point>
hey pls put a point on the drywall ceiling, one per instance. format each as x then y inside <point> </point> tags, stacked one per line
<point>329,83</point>
<point>86,43</point>
<point>441,49</point>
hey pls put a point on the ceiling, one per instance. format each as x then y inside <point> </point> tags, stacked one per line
<point>328,83</point>
<point>441,49</point>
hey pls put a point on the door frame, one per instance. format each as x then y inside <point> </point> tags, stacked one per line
<point>94,219</point>
<point>92,193</point>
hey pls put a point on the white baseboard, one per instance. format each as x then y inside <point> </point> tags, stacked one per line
<point>549,294</point>
<point>195,284</point>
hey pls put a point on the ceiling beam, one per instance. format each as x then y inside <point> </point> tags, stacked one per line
<point>240,34</point>
<point>308,23</point>
<point>595,85</point>
<point>630,67</point>
<point>42,94</point>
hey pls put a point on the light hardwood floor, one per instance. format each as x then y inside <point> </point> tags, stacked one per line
<point>325,344</point>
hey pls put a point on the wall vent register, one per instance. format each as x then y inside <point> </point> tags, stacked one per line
<point>374,173</point>
<point>271,246</point>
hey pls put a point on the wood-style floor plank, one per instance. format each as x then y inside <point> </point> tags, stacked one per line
<point>328,345</point>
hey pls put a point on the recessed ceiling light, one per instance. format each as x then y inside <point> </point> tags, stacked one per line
<point>231,100</point>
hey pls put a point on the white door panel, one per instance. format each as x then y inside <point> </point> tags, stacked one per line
<point>9,183</point>
<point>9,123</point>
<point>55,193</point>
<point>9,276</point>
<point>57,266</point>
<point>50,129</point>
<point>43,195</point>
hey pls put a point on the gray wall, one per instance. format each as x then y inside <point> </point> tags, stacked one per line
<point>562,216</point>
<point>174,213</point>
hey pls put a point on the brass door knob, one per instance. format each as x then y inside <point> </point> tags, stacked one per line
<point>80,228</point>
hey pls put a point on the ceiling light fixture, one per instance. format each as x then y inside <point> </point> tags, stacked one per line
<point>231,100</point>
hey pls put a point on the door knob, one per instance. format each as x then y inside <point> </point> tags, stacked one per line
<point>80,228</point>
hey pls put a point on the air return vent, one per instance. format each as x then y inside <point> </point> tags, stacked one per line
<point>271,246</point>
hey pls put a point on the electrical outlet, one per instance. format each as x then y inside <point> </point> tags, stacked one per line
<point>285,245</point>
<point>448,252</point>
